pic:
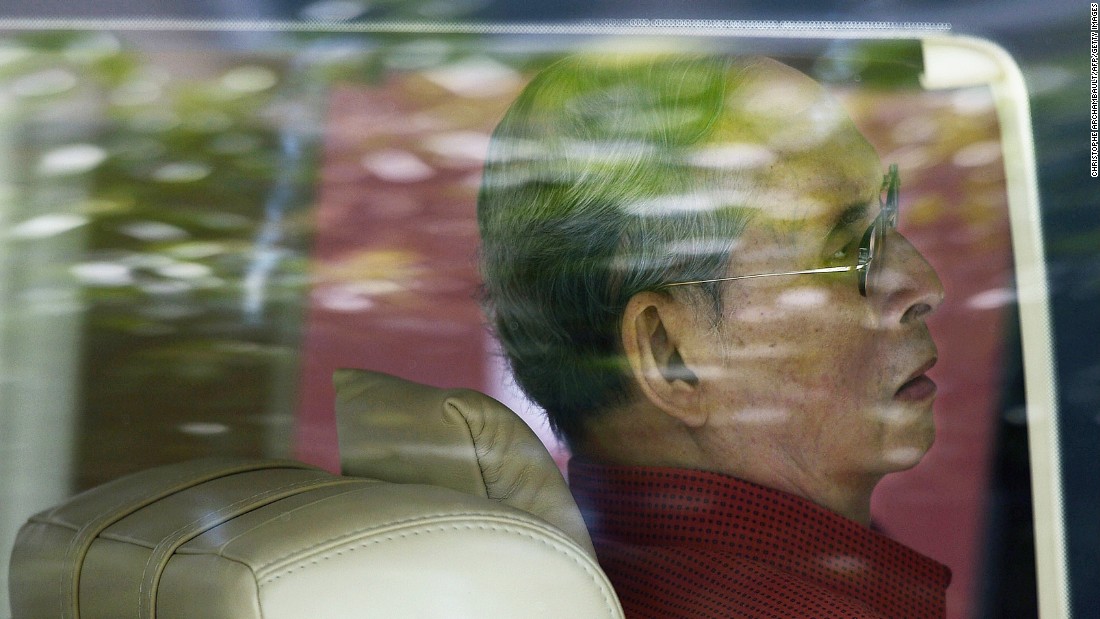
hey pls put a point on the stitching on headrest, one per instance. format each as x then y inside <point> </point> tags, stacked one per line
<point>159,557</point>
<point>574,554</point>
<point>191,474</point>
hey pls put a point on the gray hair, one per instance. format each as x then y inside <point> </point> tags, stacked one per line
<point>591,194</point>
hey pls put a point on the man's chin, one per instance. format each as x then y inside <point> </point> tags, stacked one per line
<point>903,458</point>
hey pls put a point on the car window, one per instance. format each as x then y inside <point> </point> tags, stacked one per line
<point>201,225</point>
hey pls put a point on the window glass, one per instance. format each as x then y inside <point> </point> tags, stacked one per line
<point>198,228</point>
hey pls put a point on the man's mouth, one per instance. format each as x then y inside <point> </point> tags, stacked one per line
<point>919,386</point>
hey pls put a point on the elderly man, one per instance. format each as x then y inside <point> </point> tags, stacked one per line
<point>693,265</point>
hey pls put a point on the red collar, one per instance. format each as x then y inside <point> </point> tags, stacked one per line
<point>685,509</point>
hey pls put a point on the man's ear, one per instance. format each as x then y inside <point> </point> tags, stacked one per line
<point>656,335</point>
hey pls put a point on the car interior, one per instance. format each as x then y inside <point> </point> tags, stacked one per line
<point>450,506</point>
<point>247,371</point>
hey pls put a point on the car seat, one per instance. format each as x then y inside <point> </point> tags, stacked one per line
<point>449,507</point>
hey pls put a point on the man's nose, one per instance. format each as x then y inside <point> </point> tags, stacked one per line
<point>910,289</point>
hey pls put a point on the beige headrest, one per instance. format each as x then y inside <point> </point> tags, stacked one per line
<point>222,539</point>
<point>404,432</point>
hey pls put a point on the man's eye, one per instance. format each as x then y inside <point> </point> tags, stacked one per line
<point>845,254</point>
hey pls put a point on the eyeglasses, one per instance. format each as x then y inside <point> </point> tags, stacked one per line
<point>869,246</point>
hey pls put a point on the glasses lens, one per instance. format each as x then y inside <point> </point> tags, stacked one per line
<point>867,247</point>
<point>872,243</point>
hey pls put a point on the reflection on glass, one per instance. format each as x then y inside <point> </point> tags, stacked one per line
<point>194,239</point>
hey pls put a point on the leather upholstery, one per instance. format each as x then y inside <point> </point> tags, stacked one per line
<point>230,539</point>
<point>405,432</point>
<point>456,510</point>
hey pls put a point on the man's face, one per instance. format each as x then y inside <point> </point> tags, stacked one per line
<point>829,381</point>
